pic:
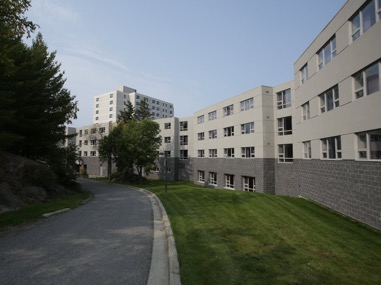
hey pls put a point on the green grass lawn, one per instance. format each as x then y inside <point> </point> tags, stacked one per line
<point>231,237</point>
<point>35,211</point>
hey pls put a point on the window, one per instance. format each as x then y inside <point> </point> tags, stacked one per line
<point>110,116</point>
<point>93,153</point>
<point>327,53</point>
<point>184,126</point>
<point>284,99</point>
<point>365,18</point>
<point>85,142</point>
<point>111,95</point>
<point>212,178</point>
<point>367,81</point>
<point>79,153</point>
<point>200,136</point>
<point>329,100</point>
<point>213,134</point>
<point>200,119</point>
<point>167,139</point>
<point>200,153</point>
<point>248,183</point>
<point>111,102</point>
<point>96,118</point>
<point>167,153</point>
<point>183,140</point>
<point>248,152</point>
<point>184,154</point>
<point>285,126</point>
<point>331,148</point>
<point>212,115</point>
<point>153,101</point>
<point>213,152</point>
<point>228,110</point>
<point>93,130</point>
<point>86,132</point>
<point>369,145</point>
<point>307,149</point>
<point>229,131</point>
<point>228,152</point>
<point>80,142</point>
<point>85,153</point>
<point>229,181</point>
<point>97,99</point>
<point>80,133</point>
<point>285,153</point>
<point>306,111</point>
<point>167,126</point>
<point>102,130</point>
<point>201,176</point>
<point>304,74</point>
<point>247,104</point>
<point>247,128</point>
<point>97,105</point>
<point>97,112</point>
<point>93,142</point>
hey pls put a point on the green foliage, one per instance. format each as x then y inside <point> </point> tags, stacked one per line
<point>143,112</point>
<point>132,146</point>
<point>34,105</point>
<point>128,114</point>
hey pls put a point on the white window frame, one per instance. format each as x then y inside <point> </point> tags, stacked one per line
<point>284,99</point>
<point>229,131</point>
<point>183,125</point>
<point>364,151</point>
<point>200,119</point>
<point>247,128</point>
<point>213,178</point>
<point>184,140</point>
<point>307,150</point>
<point>247,104</point>
<point>327,153</point>
<point>228,110</point>
<point>362,90</point>
<point>306,111</point>
<point>213,134</point>
<point>167,139</point>
<point>213,152</point>
<point>248,183</point>
<point>359,31</point>
<point>281,126</point>
<point>282,158</point>
<point>184,154</point>
<point>328,49</point>
<point>248,152</point>
<point>200,153</point>
<point>229,152</point>
<point>201,136</point>
<point>229,181</point>
<point>304,74</point>
<point>324,99</point>
<point>201,176</point>
<point>212,115</point>
<point>167,126</point>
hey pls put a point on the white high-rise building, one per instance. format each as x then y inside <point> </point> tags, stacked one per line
<point>107,106</point>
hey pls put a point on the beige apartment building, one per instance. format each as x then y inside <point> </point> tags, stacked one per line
<point>317,136</point>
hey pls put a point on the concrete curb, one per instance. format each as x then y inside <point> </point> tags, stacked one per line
<point>47,215</point>
<point>165,269</point>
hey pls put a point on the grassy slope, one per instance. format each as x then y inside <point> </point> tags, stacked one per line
<point>229,237</point>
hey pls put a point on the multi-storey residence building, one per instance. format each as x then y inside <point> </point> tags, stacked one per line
<point>107,106</point>
<point>317,136</point>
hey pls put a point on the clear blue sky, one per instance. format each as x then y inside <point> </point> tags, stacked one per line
<point>193,53</point>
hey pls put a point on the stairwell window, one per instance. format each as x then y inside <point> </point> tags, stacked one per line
<point>331,148</point>
<point>367,81</point>
<point>184,126</point>
<point>184,154</point>
<point>284,99</point>
<point>183,140</point>
<point>329,100</point>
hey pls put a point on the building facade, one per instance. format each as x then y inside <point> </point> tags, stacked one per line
<point>107,106</point>
<point>317,136</point>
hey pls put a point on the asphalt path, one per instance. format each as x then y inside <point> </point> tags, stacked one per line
<point>106,241</point>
